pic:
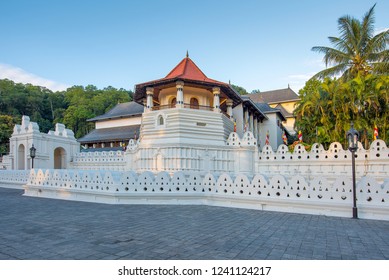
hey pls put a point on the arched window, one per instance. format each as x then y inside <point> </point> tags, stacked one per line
<point>160,120</point>
<point>194,103</point>
<point>21,157</point>
<point>173,102</point>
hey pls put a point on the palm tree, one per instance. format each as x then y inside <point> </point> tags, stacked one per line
<point>357,50</point>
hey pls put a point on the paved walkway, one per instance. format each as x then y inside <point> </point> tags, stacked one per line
<point>39,228</point>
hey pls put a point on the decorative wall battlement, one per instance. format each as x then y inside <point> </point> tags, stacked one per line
<point>248,139</point>
<point>318,161</point>
<point>107,160</point>
<point>26,126</point>
<point>277,193</point>
<point>14,178</point>
<point>240,155</point>
<point>61,130</point>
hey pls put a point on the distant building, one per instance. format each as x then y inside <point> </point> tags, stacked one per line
<point>282,99</point>
<point>115,128</point>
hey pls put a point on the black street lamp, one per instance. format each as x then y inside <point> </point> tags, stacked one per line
<point>32,155</point>
<point>352,137</point>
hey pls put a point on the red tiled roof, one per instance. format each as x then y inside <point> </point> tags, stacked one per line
<point>187,69</point>
<point>190,74</point>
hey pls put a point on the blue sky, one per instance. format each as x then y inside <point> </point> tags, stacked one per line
<point>261,45</point>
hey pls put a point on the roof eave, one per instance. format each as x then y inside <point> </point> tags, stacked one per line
<point>96,119</point>
<point>140,89</point>
<point>283,101</point>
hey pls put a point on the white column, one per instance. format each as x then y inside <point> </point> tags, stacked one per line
<point>256,129</point>
<point>180,94</point>
<point>246,120</point>
<point>216,99</point>
<point>149,101</point>
<point>251,122</point>
<point>144,104</point>
<point>229,108</point>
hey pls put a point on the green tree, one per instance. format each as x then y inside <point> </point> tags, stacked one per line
<point>7,124</point>
<point>240,90</point>
<point>313,112</point>
<point>88,102</point>
<point>326,109</point>
<point>357,50</point>
<point>25,99</point>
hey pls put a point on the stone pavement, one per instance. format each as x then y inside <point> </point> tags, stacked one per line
<point>39,228</point>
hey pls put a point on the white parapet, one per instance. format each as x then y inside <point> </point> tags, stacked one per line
<point>332,162</point>
<point>276,193</point>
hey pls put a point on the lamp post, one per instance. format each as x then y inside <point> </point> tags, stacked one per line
<point>32,155</point>
<point>352,137</point>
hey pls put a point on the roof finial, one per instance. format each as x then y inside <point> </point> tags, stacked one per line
<point>229,82</point>
<point>288,86</point>
<point>187,53</point>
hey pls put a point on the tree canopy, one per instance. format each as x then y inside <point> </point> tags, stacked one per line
<point>71,107</point>
<point>327,108</point>
<point>328,105</point>
<point>239,89</point>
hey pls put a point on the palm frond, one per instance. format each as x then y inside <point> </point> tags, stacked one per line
<point>381,68</point>
<point>368,22</point>
<point>378,42</point>
<point>356,50</point>
<point>348,28</point>
<point>340,44</point>
<point>332,71</point>
<point>331,55</point>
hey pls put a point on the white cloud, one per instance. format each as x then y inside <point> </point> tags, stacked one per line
<point>297,81</point>
<point>19,75</point>
<point>380,30</point>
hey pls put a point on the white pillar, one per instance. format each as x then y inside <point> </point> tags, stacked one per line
<point>149,101</point>
<point>180,94</point>
<point>251,123</point>
<point>246,120</point>
<point>216,99</point>
<point>229,108</point>
<point>144,101</point>
<point>256,129</point>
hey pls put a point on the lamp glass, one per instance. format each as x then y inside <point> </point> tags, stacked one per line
<point>32,151</point>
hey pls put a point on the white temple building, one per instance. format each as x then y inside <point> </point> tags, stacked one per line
<point>194,140</point>
<point>186,107</point>
<point>182,122</point>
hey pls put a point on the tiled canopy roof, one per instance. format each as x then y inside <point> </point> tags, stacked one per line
<point>191,74</point>
<point>284,111</point>
<point>264,107</point>
<point>111,134</point>
<point>121,110</point>
<point>275,96</point>
<point>187,69</point>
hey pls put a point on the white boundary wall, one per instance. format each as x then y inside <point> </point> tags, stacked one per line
<point>315,182</point>
<point>236,156</point>
<point>329,163</point>
<point>242,156</point>
<point>332,197</point>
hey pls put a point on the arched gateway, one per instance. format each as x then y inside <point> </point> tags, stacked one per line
<point>59,158</point>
